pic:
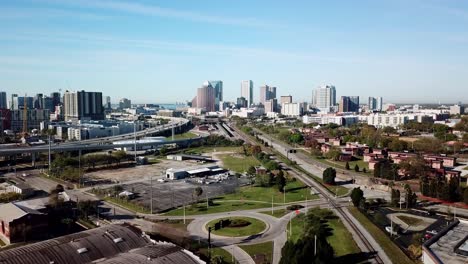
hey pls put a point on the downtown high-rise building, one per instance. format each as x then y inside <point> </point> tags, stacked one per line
<point>205,98</point>
<point>3,100</point>
<point>349,104</point>
<point>375,104</point>
<point>267,93</point>
<point>83,105</point>
<point>20,102</point>
<point>285,99</point>
<point>218,92</point>
<point>324,97</point>
<point>108,104</point>
<point>56,98</point>
<point>125,103</point>
<point>247,91</point>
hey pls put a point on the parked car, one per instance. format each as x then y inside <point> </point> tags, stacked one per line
<point>428,236</point>
<point>432,232</point>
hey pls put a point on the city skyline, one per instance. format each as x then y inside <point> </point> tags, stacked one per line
<point>81,45</point>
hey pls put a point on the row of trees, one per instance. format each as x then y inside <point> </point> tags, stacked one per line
<point>439,187</point>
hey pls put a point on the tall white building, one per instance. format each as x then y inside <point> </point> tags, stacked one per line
<point>247,91</point>
<point>292,109</point>
<point>324,97</point>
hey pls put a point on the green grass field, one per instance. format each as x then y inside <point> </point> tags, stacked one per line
<point>276,213</point>
<point>227,257</point>
<point>295,191</point>
<point>238,164</point>
<point>340,239</point>
<point>256,226</point>
<point>201,150</point>
<point>392,250</point>
<point>265,249</point>
<point>185,135</point>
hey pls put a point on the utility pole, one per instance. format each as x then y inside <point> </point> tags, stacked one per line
<point>80,181</point>
<point>151,193</point>
<point>272,204</point>
<point>315,245</point>
<point>184,213</point>
<point>134,143</point>
<point>49,154</point>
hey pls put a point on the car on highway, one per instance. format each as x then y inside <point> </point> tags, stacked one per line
<point>389,230</point>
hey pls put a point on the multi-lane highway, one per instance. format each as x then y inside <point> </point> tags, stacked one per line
<point>105,142</point>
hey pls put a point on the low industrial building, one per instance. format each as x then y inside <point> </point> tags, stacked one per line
<point>108,244</point>
<point>199,171</point>
<point>23,189</point>
<point>448,246</point>
<point>19,223</point>
<point>181,157</point>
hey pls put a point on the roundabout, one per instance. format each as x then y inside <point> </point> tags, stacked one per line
<point>236,226</point>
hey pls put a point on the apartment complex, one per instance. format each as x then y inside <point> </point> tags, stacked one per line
<point>83,105</point>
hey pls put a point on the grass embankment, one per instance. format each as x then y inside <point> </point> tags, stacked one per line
<point>265,249</point>
<point>185,135</point>
<point>248,226</point>
<point>238,164</point>
<point>337,190</point>
<point>392,250</point>
<point>249,197</point>
<point>128,204</point>
<point>340,238</point>
<point>342,164</point>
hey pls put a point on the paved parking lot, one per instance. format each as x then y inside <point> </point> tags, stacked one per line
<point>177,193</point>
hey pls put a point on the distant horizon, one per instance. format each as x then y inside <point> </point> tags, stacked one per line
<point>403,51</point>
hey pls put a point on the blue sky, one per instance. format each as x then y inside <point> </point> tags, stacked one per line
<point>161,51</point>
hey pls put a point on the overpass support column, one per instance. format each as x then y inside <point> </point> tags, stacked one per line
<point>33,159</point>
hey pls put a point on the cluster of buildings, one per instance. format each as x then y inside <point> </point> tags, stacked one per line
<point>25,113</point>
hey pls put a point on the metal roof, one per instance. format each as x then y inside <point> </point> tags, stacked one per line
<point>106,244</point>
<point>12,211</point>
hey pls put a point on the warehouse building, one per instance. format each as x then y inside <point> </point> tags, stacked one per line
<point>108,244</point>
<point>200,171</point>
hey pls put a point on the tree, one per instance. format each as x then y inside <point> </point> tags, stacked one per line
<point>251,170</point>
<point>356,168</point>
<point>280,181</point>
<point>347,165</point>
<point>198,191</point>
<point>333,154</point>
<point>395,198</point>
<point>329,175</point>
<point>410,197</point>
<point>356,196</point>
